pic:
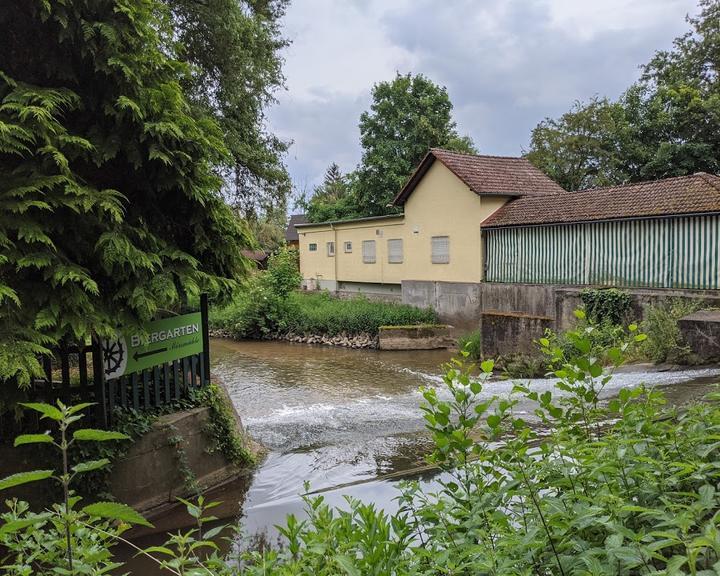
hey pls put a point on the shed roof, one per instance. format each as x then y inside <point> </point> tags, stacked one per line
<point>485,175</point>
<point>699,193</point>
<point>291,234</point>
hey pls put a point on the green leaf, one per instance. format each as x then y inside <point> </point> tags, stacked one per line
<point>90,465</point>
<point>25,478</point>
<point>33,439</point>
<point>94,435</point>
<point>347,565</point>
<point>487,366</point>
<point>17,525</point>
<point>116,511</point>
<point>46,410</point>
<point>78,407</point>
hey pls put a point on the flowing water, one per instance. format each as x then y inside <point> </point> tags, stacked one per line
<point>348,421</point>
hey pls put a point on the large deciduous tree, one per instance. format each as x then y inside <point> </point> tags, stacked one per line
<point>110,203</point>
<point>234,49</point>
<point>408,115</point>
<point>666,124</point>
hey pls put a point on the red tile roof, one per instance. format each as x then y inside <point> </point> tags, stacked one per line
<point>485,175</point>
<point>699,193</point>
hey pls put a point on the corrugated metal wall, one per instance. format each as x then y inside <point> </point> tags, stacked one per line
<point>661,253</point>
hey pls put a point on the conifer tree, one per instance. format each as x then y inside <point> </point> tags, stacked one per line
<point>110,206</point>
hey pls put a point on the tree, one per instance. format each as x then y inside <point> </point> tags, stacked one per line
<point>110,205</point>
<point>334,199</point>
<point>666,124</point>
<point>233,47</point>
<point>584,147</point>
<point>408,115</point>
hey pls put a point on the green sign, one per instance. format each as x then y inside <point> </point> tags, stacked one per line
<point>159,342</point>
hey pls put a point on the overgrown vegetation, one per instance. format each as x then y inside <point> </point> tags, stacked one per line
<point>664,342</point>
<point>472,344</point>
<point>269,304</point>
<point>624,486</point>
<point>608,305</point>
<point>317,313</point>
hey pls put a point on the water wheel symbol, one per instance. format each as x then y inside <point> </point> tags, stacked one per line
<point>113,355</point>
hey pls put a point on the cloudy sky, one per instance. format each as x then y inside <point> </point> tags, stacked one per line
<point>507,64</point>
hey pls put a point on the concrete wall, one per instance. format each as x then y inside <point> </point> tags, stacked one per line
<point>505,333</point>
<point>465,304</point>
<point>441,205</point>
<point>457,303</point>
<point>414,337</point>
<point>150,474</point>
<point>701,331</point>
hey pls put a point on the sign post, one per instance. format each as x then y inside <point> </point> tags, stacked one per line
<point>159,342</point>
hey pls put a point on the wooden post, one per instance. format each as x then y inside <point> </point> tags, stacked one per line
<point>103,418</point>
<point>205,338</point>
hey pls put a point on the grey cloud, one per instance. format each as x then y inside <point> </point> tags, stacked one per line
<point>505,64</point>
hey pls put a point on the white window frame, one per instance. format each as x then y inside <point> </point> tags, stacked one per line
<point>312,247</point>
<point>348,247</point>
<point>368,258</point>
<point>436,256</point>
<point>395,255</point>
<point>330,246</point>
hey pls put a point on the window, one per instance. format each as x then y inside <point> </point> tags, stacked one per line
<point>368,251</point>
<point>440,250</point>
<point>312,247</point>
<point>348,247</point>
<point>331,248</point>
<point>395,251</point>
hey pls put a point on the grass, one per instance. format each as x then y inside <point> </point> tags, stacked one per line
<point>321,314</point>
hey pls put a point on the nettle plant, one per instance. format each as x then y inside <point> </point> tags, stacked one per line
<point>69,538</point>
<point>591,485</point>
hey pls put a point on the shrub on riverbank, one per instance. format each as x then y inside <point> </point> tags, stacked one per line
<point>315,313</point>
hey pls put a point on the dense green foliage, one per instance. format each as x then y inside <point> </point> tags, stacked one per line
<point>620,487</point>
<point>667,124</point>
<point>316,314</point>
<point>664,342</point>
<point>408,116</point>
<point>334,199</point>
<point>606,305</point>
<point>234,49</point>
<point>472,344</point>
<point>110,205</point>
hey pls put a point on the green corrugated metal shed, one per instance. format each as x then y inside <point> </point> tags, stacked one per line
<point>671,252</point>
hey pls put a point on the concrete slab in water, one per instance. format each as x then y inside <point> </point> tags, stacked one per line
<point>701,331</point>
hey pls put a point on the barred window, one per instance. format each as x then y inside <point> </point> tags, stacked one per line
<point>312,247</point>
<point>440,250</point>
<point>368,249</point>
<point>348,247</point>
<point>331,248</point>
<point>395,251</point>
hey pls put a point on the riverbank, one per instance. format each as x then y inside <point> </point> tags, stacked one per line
<point>357,341</point>
<point>315,318</point>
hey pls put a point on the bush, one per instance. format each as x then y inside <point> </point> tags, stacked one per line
<point>472,344</point>
<point>523,366</point>
<point>664,342</point>
<point>606,306</point>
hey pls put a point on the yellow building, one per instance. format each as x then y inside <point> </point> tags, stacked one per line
<point>437,238</point>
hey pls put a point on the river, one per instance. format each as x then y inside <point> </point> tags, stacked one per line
<point>348,421</point>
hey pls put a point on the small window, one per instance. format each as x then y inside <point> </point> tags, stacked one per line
<point>368,251</point>
<point>331,248</point>
<point>440,250</point>
<point>395,251</point>
<point>312,247</point>
<point>348,247</point>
